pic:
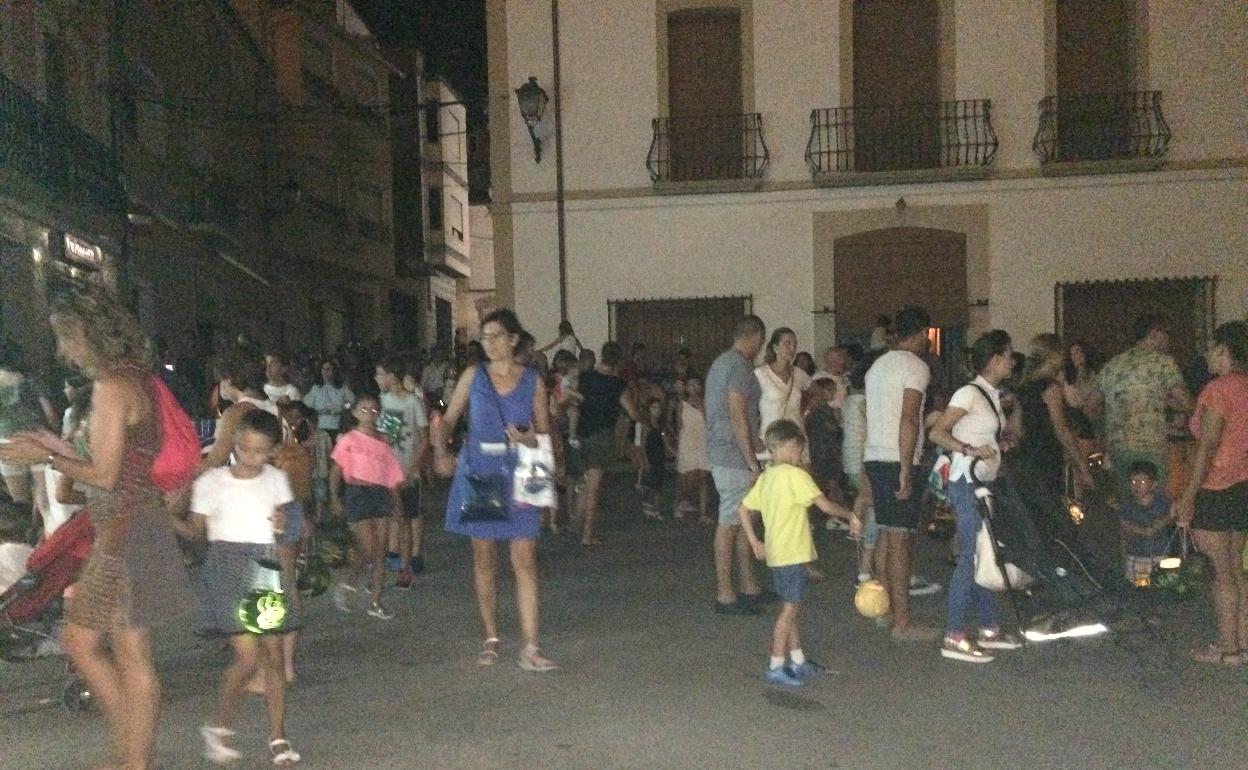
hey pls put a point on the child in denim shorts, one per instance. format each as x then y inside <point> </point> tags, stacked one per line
<point>783,495</point>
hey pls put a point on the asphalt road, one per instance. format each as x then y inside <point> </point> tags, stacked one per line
<point>652,678</point>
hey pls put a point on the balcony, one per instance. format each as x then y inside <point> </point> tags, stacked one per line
<point>1101,127</point>
<point>903,137</point>
<point>707,148</point>
<point>38,143</point>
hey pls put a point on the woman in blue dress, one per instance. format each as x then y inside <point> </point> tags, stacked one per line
<point>507,405</point>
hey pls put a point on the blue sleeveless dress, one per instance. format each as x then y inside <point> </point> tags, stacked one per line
<point>486,426</point>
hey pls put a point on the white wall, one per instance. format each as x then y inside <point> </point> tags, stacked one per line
<point>1040,232</point>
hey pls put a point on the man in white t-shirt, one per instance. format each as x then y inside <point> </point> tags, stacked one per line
<point>405,425</point>
<point>896,386</point>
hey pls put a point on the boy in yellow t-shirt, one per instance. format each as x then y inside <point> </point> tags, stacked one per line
<point>784,494</point>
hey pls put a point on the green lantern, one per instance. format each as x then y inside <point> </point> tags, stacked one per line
<point>1169,575</point>
<point>333,554</point>
<point>263,611</point>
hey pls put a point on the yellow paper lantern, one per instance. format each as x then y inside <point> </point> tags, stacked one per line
<point>871,600</point>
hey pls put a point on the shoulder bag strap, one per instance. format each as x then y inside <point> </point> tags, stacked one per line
<point>1000,422</point>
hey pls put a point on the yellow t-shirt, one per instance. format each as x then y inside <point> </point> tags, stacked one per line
<point>783,495</point>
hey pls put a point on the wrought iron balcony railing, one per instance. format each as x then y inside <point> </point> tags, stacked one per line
<point>901,137</point>
<point>703,147</point>
<point>39,144</point>
<point>1085,127</point>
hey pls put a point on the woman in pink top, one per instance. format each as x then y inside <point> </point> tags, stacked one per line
<point>1215,503</point>
<point>367,473</point>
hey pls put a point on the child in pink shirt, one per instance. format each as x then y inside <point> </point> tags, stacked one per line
<point>368,475</point>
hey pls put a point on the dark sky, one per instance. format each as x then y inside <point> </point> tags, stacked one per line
<point>450,32</point>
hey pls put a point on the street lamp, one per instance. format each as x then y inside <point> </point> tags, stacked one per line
<point>532,99</point>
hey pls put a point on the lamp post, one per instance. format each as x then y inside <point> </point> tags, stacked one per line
<point>532,100</point>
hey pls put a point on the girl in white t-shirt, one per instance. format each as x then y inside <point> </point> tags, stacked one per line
<point>239,508</point>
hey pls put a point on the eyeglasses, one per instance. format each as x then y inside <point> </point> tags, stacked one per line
<point>368,410</point>
<point>1141,482</point>
<point>491,336</point>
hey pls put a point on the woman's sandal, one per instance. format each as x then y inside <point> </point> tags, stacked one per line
<point>593,542</point>
<point>532,659</point>
<point>489,652</point>
<point>1212,654</point>
<point>215,750</point>
<point>283,755</point>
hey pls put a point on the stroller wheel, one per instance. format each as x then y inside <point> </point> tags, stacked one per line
<point>76,696</point>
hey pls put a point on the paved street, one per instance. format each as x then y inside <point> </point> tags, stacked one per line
<point>652,678</point>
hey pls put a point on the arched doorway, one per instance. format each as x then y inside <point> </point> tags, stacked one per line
<point>878,272</point>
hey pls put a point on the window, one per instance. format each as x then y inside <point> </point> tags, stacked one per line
<point>457,218</point>
<point>455,136</point>
<point>435,209</point>
<point>433,124</point>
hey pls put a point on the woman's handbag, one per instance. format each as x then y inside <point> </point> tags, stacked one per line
<point>178,458</point>
<point>534,482</point>
<point>487,497</point>
<point>988,572</point>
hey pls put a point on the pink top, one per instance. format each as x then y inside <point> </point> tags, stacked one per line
<point>367,460</point>
<point>1228,396</point>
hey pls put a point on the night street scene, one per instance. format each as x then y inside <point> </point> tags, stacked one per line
<point>639,384</point>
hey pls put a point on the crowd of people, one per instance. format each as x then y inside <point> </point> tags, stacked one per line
<point>745,443</point>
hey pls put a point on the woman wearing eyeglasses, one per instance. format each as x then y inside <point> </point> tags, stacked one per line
<point>506,404</point>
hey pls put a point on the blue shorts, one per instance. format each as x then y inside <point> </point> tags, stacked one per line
<point>790,582</point>
<point>732,485</point>
<point>891,514</point>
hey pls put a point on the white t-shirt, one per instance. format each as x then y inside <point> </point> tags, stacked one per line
<point>854,422</point>
<point>978,427</point>
<point>240,510</point>
<point>780,399</point>
<point>889,377</point>
<point>274,392</point>
<point>329,401</point>
<point>410,409</point>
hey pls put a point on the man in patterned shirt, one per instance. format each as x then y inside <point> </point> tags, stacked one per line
<point>1135,388</point>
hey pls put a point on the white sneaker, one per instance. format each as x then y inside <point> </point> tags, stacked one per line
<point>342,596</point>
<point>921,586</point>
<point>380,612</point>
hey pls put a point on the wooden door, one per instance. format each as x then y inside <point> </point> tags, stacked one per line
<point>704,94</point>
<point>896,62</point>
<point>880,272</point>
<point>701,325</point>
<point>1093,72</point>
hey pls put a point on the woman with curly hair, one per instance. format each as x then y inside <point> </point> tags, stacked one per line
<point>134,575</point>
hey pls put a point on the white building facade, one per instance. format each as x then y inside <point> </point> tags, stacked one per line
<point>1006,164</point>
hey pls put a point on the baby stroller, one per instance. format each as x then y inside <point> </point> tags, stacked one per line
<point>30,607</point>
<point>1058,587</point>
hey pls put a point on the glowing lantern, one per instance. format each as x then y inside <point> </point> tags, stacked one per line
<point>263,611</point>
<point>871,600</point>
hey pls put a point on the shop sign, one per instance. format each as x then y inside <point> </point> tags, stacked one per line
<point>78,250</point>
